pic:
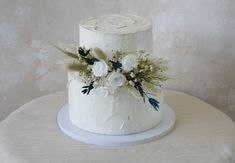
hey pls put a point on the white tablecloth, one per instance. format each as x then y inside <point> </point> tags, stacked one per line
<point>202,134</point>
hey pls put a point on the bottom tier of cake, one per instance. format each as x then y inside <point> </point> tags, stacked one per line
<point>119,113</point>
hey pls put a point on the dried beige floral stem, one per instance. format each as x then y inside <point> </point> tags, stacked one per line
<point>76,66</point>
<point>70,53</point>
<point>98,53</point>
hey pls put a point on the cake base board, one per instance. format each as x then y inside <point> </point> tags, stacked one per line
<point>163,128</point>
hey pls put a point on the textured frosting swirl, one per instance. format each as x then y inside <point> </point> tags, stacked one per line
<point>120,24</point>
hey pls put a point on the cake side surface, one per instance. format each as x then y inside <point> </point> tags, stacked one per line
<point>115,114</point>
<point>116,32</point>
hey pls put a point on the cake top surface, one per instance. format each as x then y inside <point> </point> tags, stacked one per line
<point>116,24</point>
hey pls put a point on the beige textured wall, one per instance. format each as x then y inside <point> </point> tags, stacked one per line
<point>197,36</point>
<point>29,67</point>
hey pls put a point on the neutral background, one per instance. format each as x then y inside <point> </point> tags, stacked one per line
<point>196,36</point>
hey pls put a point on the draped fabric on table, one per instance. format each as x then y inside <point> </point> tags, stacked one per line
<point>202,134</point>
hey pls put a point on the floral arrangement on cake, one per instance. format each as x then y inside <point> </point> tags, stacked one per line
<point>137,72</point>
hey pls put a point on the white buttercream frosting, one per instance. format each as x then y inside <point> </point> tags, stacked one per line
<point>117,32</point>
<point>112,111</point>
<point>115,23</point>
<point>117,113</point>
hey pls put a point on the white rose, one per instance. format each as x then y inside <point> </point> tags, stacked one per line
<point>116,79</point>
<point>100,68</point>
<point>128,62</point>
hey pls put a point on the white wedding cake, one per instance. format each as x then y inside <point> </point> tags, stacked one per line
<point>109,95</point>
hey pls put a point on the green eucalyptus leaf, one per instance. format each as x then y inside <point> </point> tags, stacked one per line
<point>154,103</point>
<point>83,52</point>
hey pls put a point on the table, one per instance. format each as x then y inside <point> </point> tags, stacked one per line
<point>202,134</point>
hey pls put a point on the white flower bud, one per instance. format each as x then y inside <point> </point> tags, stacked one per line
<point>88,67</point>
<point>132,75</point>
<point>131,83</point>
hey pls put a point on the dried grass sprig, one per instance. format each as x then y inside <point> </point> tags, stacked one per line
<point>76,66</point>
<point>98,53</point>
<point>67,52</point>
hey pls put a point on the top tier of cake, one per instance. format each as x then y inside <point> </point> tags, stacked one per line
<point>116,32</point>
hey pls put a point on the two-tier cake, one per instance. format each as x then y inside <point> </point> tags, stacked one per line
<point>113,81</point>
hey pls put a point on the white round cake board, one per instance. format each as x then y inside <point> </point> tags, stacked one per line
<point>164,127</point>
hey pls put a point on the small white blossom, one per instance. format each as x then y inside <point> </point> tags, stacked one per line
<point>100,68</point>
<point>144,59</point>
<point>132,75</point>
<point>146,67</point>
<point>131,83</point>
<point>88,67</point>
